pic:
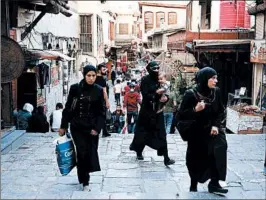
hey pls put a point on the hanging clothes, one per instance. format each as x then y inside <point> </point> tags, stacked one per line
<point>43,75</point>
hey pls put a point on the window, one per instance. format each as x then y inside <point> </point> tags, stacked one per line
<point>159,19</point>
<point>123,29</point>
<point>172,18</point>
<point>205,14</point>
<point>189,16</point>
<point>260,26</point>
<point>112,31</point>
<point>85,33</point>
<point>148,16</point>
<point>99,33</point>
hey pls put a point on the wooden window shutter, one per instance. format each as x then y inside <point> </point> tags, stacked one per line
<point>159,17</point>
<point>123,29</point>
<point>172,18</point>
<point>148,17</point>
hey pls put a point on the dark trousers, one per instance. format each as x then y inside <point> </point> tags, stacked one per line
<point>133,114</point>
<point>117,98</point>
<point>83,175</point>
<point>113,82</point>
<point>105,131</point>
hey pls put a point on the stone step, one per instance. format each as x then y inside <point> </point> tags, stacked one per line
<point>12,140</point>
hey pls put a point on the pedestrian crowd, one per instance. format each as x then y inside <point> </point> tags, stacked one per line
<point>150,109</point>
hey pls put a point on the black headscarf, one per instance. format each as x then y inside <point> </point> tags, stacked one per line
<point>87,69</point>
<point>152,73</point>
<point>202,78</point>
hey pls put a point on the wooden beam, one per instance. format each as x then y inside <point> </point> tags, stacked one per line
<point>32,25</point>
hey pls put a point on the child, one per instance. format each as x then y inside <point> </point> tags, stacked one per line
<point>164,90</point>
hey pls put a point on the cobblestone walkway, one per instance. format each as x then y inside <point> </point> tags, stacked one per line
<point>31,171</point>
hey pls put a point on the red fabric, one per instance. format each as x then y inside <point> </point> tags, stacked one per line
<point>126,88</point>
<point>137,88</point>
<point>124,68</point>
<point>131,101</point>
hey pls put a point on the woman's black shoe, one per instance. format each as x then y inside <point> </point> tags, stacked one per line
<point>193,189</point>
<point>216,189</point>
<point>106,135</point>
<point>169,162</point>
<point>140,157</point>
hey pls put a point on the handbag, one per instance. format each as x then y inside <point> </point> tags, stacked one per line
<point>185,127</point>
<point>65,154</point>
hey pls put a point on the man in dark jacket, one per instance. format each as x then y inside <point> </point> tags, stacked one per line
<point>150,129</point>
<point>101,71</point>
<point>113,77</point>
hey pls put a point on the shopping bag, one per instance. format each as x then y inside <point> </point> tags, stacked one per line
<point>124,129</point>
<point>65,154</point>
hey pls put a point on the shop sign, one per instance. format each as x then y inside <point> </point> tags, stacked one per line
<point>258,51</point>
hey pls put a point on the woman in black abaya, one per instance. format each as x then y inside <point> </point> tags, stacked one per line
<point>206,156</point>
<point>150,129</point>
<point>85,111</point>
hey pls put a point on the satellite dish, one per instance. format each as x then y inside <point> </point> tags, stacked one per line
<point>12,60</point>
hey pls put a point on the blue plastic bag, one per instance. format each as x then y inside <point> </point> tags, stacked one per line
<point>65,154</point>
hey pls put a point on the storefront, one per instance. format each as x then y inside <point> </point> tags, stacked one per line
<point>231,60</point>
<point>258,58</point>
<point>45,79</point>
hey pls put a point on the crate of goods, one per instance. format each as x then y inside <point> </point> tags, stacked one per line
<point>243,123</point>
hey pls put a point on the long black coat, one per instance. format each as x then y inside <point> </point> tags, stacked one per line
<point>150,129</point>
<point>204,150</point>
<point>87,114</point>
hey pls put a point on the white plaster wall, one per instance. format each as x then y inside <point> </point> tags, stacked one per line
<point>58,25</point>
<point>215,16</point>
<point>181,17</point>
<point>95,8</point>
<point>55,95</point>
<point>125,20</point>
<point>257,78</point>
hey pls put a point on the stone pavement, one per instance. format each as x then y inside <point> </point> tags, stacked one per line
<point>31,172</point>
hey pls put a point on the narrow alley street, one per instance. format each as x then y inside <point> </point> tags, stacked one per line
<point>31,171</point>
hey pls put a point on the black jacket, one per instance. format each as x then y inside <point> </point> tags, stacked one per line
<point>204,149</point>
<point>85,108</point>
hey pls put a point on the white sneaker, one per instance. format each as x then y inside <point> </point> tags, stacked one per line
<point>86,188</point>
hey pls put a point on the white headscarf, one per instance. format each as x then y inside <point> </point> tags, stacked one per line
<point>28,107</point>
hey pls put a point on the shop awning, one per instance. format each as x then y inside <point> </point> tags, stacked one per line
<point>200,43</point>
<point>36,54</point>
<point>222,45</point>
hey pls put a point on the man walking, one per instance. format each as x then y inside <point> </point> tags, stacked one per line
<point>131,101</point>
<point>118,91</point>
<point>101,71</point>
<point>113,77</point>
